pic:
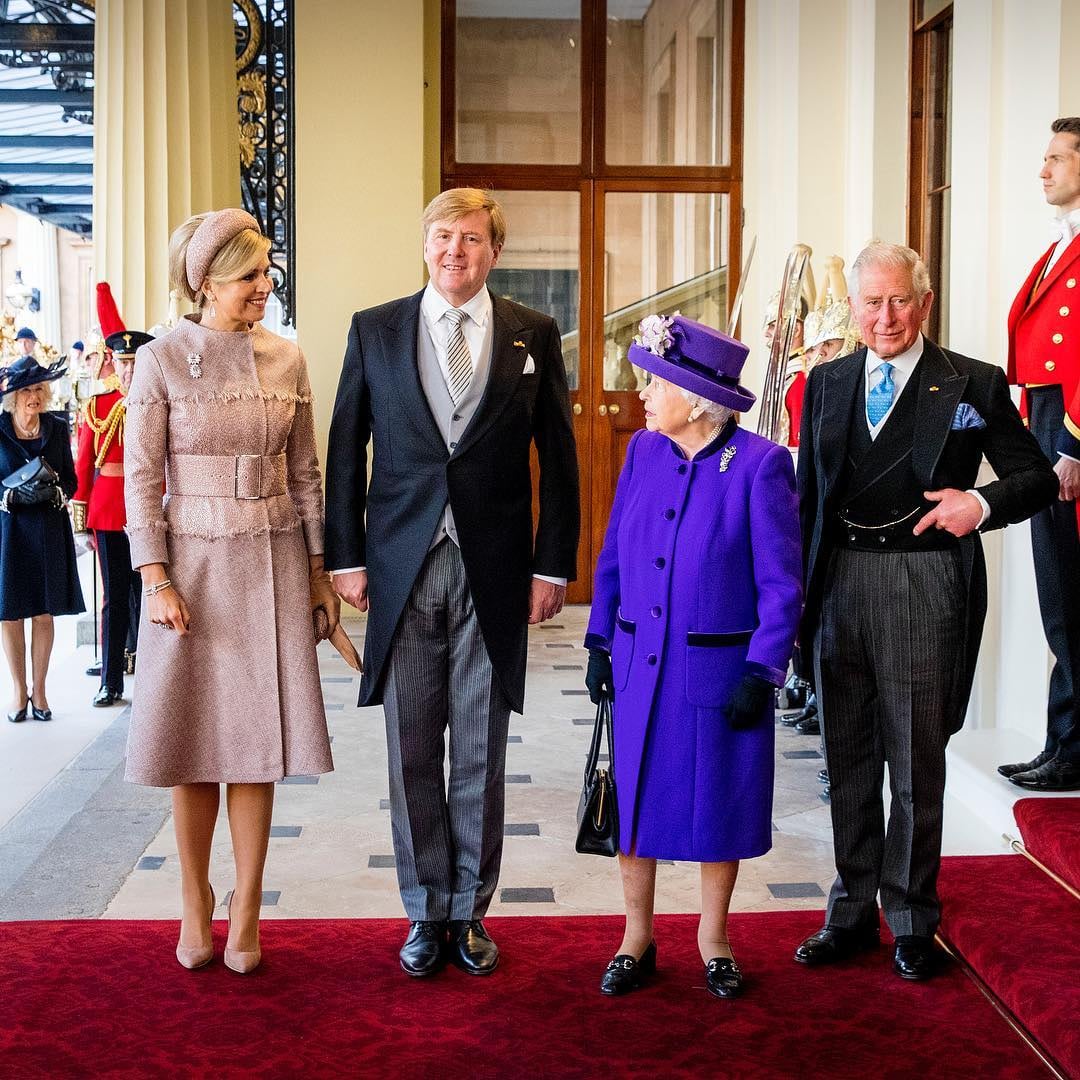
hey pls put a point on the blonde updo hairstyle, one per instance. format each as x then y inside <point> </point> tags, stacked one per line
<point>235,258</point>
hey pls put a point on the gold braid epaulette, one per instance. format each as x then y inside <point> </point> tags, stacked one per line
<point>106,430</point>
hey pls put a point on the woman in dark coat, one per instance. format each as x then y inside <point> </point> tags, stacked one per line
<point>38,575</point>
<point>696,603</point>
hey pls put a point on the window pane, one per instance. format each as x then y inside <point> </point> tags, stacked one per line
<point>663,253</point>
<point>668,82</point>
<point>518,83</point>
<point>538,266</point>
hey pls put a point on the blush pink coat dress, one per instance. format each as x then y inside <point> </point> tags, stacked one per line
<point>238,700</point>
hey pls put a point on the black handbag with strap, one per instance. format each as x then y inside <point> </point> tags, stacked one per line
<point>34,484</point>
<point>598,813</point>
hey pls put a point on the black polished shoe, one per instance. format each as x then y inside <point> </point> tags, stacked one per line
<point>106,697</point>
<point>810,726</point>
<point>470,947</point>
<point>424,951</point>
<point>826,793</point>
<point>1053,775</point>
<point>40,714</point>
<point>624,973</point>
<point>723,979</point>
<point>94,670</point>
<point>20,716</point>
<point>831,944</point>
<point>1009,771</point>
<point>916,958</point>
<point>808,712</point>
<point>823,775</point>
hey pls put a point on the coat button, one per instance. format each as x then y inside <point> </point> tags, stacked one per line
<point>851,537</point>
<point>1057,339</point>
<point>669,514</point>
<point>457,416</point>
<point>881,539</point>
<point>656,611</point>
<point>1071,283</point>
<point>681,470</point>
<point>651,659</point>
<point>1063,311</point>
<point>659,562</point>
<point>453,445</point>
<point>1049,365</point>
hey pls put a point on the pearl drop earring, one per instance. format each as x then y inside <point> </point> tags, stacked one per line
<point>213,310</point>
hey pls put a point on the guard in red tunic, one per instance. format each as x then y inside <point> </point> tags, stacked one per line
<point>99,506</point>
<point>1044,358</point>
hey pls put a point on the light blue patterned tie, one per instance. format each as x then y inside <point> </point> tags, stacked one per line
<point>879,400</point>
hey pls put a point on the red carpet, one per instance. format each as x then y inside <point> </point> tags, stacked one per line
<point>1051,832</point>
<point>1017,928</point>
<point>106,998</point>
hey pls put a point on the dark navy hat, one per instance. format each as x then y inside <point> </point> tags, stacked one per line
<point>26,334</point>
<point>125,342</point>
<point>26,371</point>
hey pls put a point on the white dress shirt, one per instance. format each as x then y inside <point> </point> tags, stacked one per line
<point>1067,226</point>
<point>903,368</point>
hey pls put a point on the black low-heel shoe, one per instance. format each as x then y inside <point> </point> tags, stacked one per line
<point>624,973</point>
<point>20,716</point>
<point>723,979</point>
<point>41,714</point>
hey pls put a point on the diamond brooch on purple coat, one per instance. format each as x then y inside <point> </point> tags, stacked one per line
<point>725,457</point>
<point>194,363</point>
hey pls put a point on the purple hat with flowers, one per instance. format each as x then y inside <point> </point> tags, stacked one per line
<point>695,357</point>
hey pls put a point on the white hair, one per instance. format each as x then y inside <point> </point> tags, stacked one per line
<point>880,253</point>
<point>7,403</point>
<point>718,414</point>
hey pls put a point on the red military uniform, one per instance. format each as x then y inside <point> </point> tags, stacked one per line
<point>101,440</point>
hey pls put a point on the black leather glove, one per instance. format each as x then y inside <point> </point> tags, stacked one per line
<point>748,703</point>
<point>598,676</point>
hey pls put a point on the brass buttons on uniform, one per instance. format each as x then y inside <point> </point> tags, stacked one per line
<point>1057,339</point>
<point>1063,311</point>
<point>1071,283</point>
<point>1049,365</point>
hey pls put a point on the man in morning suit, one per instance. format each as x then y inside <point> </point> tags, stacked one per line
<point>451,387</point>
<point>891,443</point>
<point>1044,358</point>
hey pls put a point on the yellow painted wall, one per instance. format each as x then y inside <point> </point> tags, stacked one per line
<point>359,171</point>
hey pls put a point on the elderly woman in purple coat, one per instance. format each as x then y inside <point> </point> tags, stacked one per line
<point>695,607</point>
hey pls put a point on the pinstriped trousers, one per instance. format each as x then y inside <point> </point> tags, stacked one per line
<point>448,832</point>
<point>889,656</point>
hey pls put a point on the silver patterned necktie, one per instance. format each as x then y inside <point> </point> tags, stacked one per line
<point>459,368</point>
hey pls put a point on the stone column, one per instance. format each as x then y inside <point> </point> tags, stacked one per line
<point>165,138</point>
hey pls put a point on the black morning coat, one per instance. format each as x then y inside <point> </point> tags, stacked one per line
<point>387,523</point>
<point>941,456</point>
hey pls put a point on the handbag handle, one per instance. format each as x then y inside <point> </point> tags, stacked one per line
<point>602,725</point>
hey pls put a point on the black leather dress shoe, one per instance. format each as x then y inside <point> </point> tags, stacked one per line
<point>1053,775</point>
<point>20,716</point>
<point>471,949</point>
<point>106,697</point>
<point>810,726</point>
<point>826,793</point>
<point>823,775</point>
<point>624,973</point>
<point>41,714</point>
<point>831,944</point>
<point>723,979</point>
<point>916,958</point>
<point>808,712</point>
<point>1009,771</point>
<point>94,670</point>
<point>424,951</point>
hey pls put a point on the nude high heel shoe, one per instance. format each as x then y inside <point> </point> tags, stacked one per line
<point>198,956</point>
<point>243,963</point>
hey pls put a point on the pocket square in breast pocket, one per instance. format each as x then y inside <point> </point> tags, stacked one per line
<point>530,366</point>
<point>966,417</point>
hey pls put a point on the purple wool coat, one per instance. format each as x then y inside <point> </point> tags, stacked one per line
<point>699,583</point>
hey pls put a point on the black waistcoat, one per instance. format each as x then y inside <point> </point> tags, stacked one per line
<point>878,488</point>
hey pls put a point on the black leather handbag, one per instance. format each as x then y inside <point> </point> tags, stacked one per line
<point>34,484</point>
<point>598,814</point>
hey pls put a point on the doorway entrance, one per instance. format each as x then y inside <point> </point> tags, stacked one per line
<point>611,132</point>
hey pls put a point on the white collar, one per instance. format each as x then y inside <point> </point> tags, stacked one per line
<point>1067,225</point>
<point>906,361</point>
<point>434,305</point>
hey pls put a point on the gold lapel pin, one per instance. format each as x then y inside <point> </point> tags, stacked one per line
<point>932,388</point>
<point>519,344</point>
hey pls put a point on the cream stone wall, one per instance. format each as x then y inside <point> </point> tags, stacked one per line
<point>360,171</point>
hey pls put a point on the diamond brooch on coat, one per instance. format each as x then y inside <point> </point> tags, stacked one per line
<point>725,457</point>
<point>194,363</point>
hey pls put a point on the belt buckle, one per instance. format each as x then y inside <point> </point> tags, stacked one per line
<point>236,477</point>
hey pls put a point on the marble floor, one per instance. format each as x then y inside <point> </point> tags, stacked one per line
<point>76,841</point>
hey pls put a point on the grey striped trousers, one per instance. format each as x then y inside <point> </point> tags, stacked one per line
<point>447,832</point>
<point>888,658</point>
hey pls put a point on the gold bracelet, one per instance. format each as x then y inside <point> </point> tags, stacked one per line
<point>161,585</point>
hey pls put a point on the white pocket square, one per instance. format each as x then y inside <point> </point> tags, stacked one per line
<point>530,366</point>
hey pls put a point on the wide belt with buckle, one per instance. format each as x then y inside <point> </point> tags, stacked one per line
<point>243,476</point>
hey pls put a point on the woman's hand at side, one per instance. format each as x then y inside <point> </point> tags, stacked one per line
<point>748,703</point>
<point>165,606</point>
<point>323,599</point>
<point>598,676</point>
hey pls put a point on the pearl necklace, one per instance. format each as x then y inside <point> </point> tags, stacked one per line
<point>24,432</point>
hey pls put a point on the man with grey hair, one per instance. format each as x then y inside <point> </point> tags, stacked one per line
<point>891,443</point>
